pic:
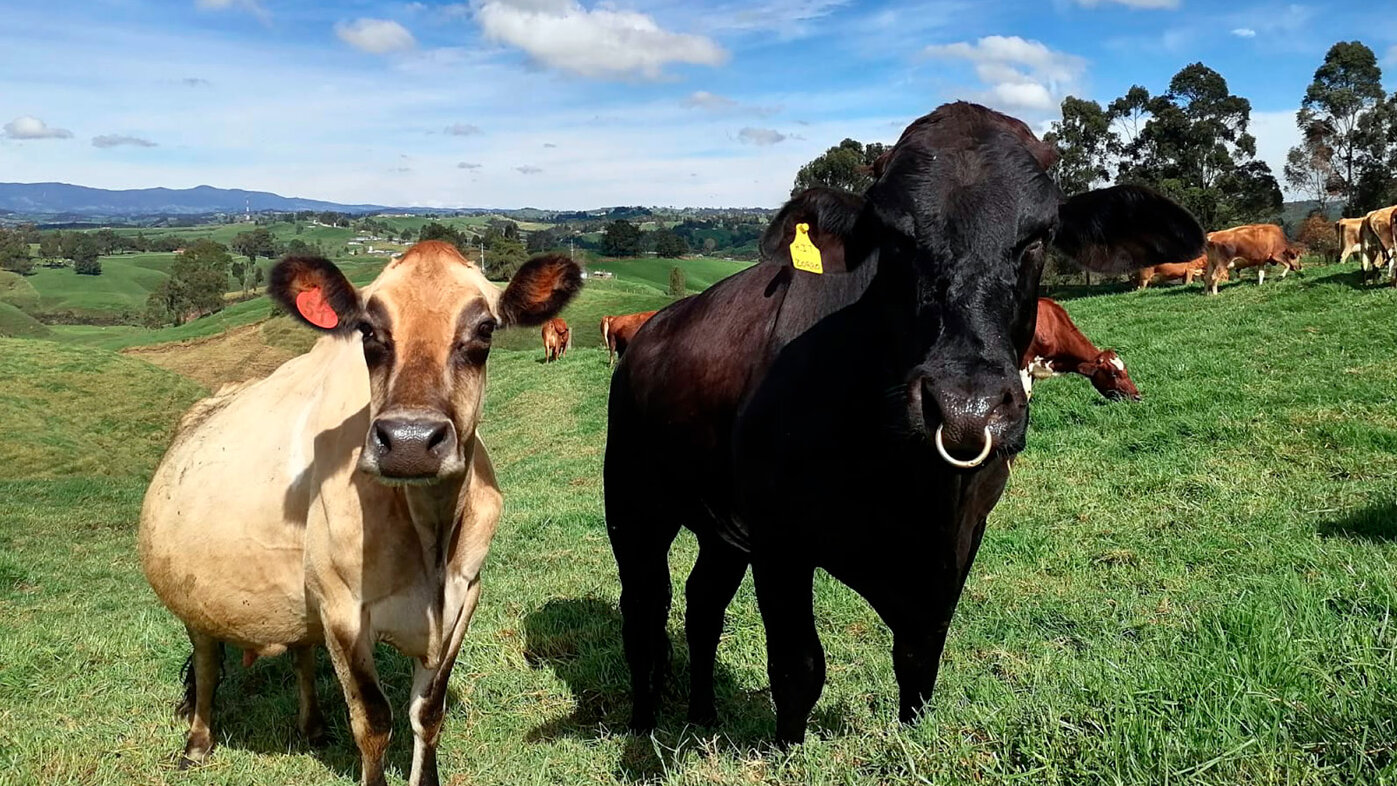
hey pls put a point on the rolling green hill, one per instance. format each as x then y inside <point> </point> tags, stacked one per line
<point>1196,588</point>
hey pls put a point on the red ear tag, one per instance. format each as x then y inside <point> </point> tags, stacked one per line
<point>313,307</point>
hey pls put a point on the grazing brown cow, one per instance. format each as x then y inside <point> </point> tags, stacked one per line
<point>1252,245</point>
<point>1377,242</point>
<point>346,499</point>
<point>1161,273</point>
<point>1349,232</point>
<point>557,339</point>
<point>618,331</point>
<point>1058,347</point>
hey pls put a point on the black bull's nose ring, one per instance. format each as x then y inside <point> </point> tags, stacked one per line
<point>955,462</point>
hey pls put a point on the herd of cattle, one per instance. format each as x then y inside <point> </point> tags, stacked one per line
<point>858,415</point>
<point>1372,238</point>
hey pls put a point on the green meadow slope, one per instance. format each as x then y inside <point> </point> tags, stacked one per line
<point>1193,589</point>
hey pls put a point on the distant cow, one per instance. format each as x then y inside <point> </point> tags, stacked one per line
<point>859,420</point>
<point>346,499</point>
<point>618,331</point>
<point>1058,347</point>
<point>1252,245</point>
<point>557,339</point>
<point>1349,232</point>
<point>1161,273</point>
<point>1378,249</point>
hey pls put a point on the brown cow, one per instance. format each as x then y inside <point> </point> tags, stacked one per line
<point>557,339</point>
<point>1161,273</point>
<point>618,331</point>
<point>346,499</point>
<point>1252,245</point>
<point>1349,232</point>
<point>1376,241</point>
<point>1058,347</point>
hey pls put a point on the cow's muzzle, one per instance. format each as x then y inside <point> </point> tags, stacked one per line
<point>968,420</point>
<point>955,462</point>
<point>411,448</point>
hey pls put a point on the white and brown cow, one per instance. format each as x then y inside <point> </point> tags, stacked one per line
<point>346,499</point>
<point>1059,347</point>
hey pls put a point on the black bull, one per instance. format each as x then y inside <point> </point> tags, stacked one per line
<point>860,420</point>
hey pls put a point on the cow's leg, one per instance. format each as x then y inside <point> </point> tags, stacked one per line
<point>427,708</point>
<point>308,719</point>
<point>795,661</point>
<point>1188,277</point>
<point>711,585</point>
<point>1260,275</point>
<point>201,683</point>
<point>642,559</point>
<point>350,641</point>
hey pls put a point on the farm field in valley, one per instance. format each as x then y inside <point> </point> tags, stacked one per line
<point>1196,588</point>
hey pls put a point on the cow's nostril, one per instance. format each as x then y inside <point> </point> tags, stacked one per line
<point>438,440</point>
<point>383,441</point>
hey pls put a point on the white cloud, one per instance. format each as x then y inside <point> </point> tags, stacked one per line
<point>712,102</point>
<point>760,136</point>
<point>549,144</point>
<point>462,129</point>
<point>1276,133</point>
<point>1017,73</point>
<point>468,165</point>
<point>528,170</point>
<point>600,42</point>
<point>375,36</point>
<point>117,140</point>
<point>27,127</point>
<point>251,6</point>
<point>1244,32</point>
<point>194,81</point>
<point>1169,4</point>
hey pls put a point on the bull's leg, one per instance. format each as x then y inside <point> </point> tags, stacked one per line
<point>206,668</point>
<point>712,583</point>
<point>1260,275</point>
<point>427,709</point>
<point>642,559</point>
<point>795,661</point>
<point>309,720</point>
<point>350,641</point>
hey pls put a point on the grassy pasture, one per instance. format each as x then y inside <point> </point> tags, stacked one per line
<point>1193,589</point>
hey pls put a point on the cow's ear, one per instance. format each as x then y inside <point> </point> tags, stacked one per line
<point>829,215</point>
<point>1122,228</point>
<point>539,290</point>
<point>316,293</point>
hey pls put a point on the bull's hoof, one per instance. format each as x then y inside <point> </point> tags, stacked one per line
<point>706,716</point>
<point>315,734</point>
<point>642,722</point>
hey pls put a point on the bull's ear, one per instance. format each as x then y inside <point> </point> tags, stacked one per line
<point>539,290</point>
<point>1122,228</point>
<point>317,293</point>
<point>830,215</point>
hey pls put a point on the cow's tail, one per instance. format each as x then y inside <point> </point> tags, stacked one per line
<point>185,708</point>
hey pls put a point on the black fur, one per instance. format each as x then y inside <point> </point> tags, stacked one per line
<point>294,275</point>
<point>539,290</point>
<point>185,707</point>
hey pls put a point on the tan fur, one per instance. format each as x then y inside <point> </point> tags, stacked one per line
<point>1376,242</point>
<point>1181,270</point>
<point>1252,245</point>
<point>1348,231</point>
<point>259,530</point>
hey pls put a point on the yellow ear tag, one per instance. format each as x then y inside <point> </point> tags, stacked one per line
<point>804,255</point>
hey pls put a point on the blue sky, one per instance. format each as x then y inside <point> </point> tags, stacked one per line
<point>586,103</point>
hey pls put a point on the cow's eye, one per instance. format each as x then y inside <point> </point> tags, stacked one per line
<point>1034,249</point>
<point>367,331</point>
<point>485,330</point>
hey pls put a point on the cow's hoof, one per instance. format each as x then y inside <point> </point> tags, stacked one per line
<point>315,734</point>
<point>642,722</point>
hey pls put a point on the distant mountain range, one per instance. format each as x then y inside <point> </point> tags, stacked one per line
<point>62,199</point>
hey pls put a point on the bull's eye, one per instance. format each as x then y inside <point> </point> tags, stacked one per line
<point>367,331</point>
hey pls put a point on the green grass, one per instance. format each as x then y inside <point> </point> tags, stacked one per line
<point>15,323</point>
<point>699,273</point>
<point>1193,589</point>
<point>598,298</point>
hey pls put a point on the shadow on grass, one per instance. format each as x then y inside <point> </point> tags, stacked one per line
<point>1376,522</point>
<point>580,640</point>
<point>1352,277</point>
<point>255,710</point>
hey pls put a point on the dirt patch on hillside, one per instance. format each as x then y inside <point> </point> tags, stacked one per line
<point>235,356</point>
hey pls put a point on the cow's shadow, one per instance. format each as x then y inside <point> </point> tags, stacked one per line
<point>255,711</point>
<point>1374,522</point>
<point>580,640</point>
